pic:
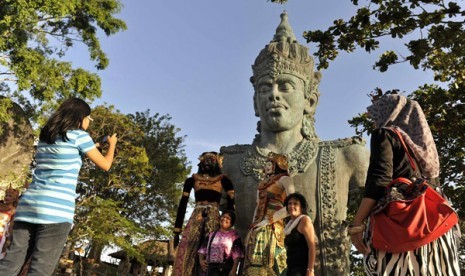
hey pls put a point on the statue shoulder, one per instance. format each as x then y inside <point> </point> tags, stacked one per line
<point>235,149</point>
<point>344,142</point>
<point>353,150</point>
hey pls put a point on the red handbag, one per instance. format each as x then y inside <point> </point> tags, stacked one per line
<point>410,215</point>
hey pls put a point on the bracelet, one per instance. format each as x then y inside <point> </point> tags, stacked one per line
<point>353,230</point>
<point>311,269</point>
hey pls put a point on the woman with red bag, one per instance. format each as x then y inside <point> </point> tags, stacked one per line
<point>389,160</point>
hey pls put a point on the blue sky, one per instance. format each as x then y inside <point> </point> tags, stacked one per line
<point>192,60</point>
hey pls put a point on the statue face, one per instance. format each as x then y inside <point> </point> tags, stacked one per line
<point>208,164</point>
<point>269,167</point>
<point>280,102</point>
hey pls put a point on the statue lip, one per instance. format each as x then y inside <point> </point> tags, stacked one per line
<point>275,107</point>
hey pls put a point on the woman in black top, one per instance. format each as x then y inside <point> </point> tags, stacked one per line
<point>300,237</point>
<point>389,161</point>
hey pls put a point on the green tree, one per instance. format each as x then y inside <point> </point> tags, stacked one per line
<point>165,151</point>
<point>100,217</point>
<point>434,39</point>
<point>34,38</point>
<point>136,198</point>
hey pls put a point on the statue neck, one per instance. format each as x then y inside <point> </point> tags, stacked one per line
<point>280,142</point>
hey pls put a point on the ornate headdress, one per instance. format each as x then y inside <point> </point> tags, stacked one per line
<point>285,55</point>
<point>280,160</point>
<point>217,157</point>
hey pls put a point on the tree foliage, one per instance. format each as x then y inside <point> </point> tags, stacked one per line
<point>136,198</point>
<point>34,38</point>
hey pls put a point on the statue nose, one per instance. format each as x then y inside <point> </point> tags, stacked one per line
<point>274,95</point>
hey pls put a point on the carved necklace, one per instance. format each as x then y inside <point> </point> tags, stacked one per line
<point>300,158</point>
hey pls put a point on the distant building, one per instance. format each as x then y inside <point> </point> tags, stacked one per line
<point>159,254</point>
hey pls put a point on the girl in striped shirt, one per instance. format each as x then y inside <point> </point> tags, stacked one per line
<point>45,212</point>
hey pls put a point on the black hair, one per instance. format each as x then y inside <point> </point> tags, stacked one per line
<point>68,116</point>
<point>301,199</point>
<point>231,214</point>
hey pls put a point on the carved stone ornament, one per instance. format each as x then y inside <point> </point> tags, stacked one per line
<point>300,158</point>
<point>284,55</point>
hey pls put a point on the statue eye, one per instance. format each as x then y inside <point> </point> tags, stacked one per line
<point>286,86</point>
<point>264,88</point>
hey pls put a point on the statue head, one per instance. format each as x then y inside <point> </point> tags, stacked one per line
<point>210,163</point>
<point>276,164</point>
<point>287,65</point>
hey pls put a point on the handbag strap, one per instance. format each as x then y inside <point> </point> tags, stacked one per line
<point>412,163</point>
<point>209,245</point>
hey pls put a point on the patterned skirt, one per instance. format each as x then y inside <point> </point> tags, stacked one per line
<point>438,258</point>
<point>204,219</point>
<point>265,253</point>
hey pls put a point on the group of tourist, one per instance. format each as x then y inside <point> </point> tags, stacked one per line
<point>273,248</point>
<point>210,246</point>
<point>286,177</point>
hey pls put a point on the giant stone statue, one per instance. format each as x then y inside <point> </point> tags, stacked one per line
<point>328,173</point>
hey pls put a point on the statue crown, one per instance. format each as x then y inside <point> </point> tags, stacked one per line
<point>283,55</point>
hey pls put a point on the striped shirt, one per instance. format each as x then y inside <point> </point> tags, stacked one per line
<point>51,196</point>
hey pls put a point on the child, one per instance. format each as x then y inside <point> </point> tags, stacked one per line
<point>222,250</point>
<point>45,211</point>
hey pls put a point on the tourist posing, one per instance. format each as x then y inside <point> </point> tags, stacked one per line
<point>45,211</point>
<point>222,250</point>
<point>300,237</point>
<point>389,160</point>
<point>208,184</point>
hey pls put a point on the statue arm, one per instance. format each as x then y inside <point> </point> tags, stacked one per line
<point>287,183</point>
<point>356,160</point>
<point>358,157</point>
<point>228,187</point>
<point>188,185</point>
<point>278,215</point>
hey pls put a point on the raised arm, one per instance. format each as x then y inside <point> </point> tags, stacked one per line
<point>104,162</point>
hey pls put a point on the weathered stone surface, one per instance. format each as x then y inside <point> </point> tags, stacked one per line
<point>325,172</point>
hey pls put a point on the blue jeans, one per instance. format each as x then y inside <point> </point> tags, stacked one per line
<point>42,242</point>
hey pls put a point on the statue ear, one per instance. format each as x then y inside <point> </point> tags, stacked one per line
<point>311,103</point>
